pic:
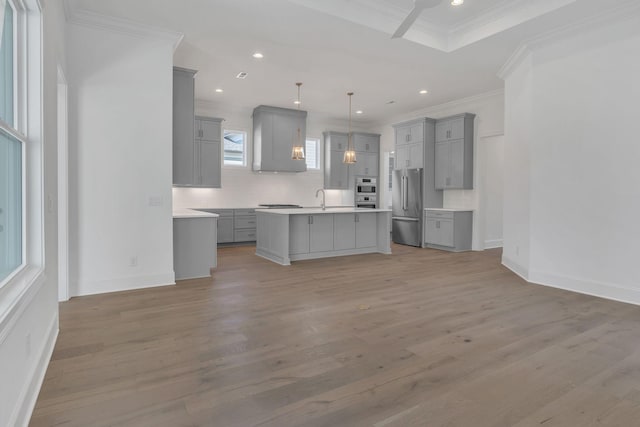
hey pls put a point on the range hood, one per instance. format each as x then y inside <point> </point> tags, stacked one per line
<point>274,131</point>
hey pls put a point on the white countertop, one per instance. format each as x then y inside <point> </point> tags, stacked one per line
<point>314,211</point>
<point>192,213</point>
<point>448,209</point>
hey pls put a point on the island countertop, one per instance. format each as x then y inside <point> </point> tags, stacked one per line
<point>316,211</point>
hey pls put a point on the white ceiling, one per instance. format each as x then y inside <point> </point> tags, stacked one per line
<point>304,40</point>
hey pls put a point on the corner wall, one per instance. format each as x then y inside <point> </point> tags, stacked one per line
<point>577,130</point>
<point>120,113</point>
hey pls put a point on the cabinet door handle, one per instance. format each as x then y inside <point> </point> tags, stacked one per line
<point>357,218</point>
<point>437,224</point>
<point>407,162</point>
<point>366,147</point>
<point>310,219</point>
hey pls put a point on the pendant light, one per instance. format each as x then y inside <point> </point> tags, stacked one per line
<point>297,152</point>
<point>349,154</point>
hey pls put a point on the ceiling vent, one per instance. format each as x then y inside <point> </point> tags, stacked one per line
<point>241,75</point>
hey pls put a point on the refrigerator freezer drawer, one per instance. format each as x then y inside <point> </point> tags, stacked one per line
<point>406,231</point>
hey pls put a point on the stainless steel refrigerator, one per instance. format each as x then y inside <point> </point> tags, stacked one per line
<point>407,207</point>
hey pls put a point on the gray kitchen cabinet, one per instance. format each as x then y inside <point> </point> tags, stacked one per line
<point>244,225</point>
<point>225,224</point>
<point>409,156</point>
<point>449,230</point>
<point>344,236</point>
<point>275,130</point>
<point>366,143</point>
<point>454,152</point>
<point>411,132</point>
<point>208,152</point>
<point>183,132</point>
<point>365,223</point>
<point>310,233</point>
<point>336,172</point>
<point>366,165</point>
<point>194,247</point>
<point>208,128</point>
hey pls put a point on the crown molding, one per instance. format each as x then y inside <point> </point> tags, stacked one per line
<point>626,11</point>
<point>127,27</point>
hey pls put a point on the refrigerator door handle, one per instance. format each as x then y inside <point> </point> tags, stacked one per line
<point>406,193</point>
<point>405,218</point>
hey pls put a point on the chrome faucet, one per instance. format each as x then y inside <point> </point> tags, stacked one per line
<point>322,205</point>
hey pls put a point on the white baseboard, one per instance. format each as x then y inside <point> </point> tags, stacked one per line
<point>492,244</point>
<point>29,395</point>
<point>588,287</point>
<point>515,267</point>
<point>91,287</point>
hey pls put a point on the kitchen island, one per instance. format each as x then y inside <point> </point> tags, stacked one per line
<point>285,235</point>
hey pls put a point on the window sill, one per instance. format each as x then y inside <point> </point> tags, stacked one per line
<point>16,293</point>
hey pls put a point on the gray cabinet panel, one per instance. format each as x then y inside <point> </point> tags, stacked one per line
<point>366,165</point>
<point>225,229</point>
<point>366,226</point>
<point>275,130</point>
<point>321,233</point>
<point>336,172</point>
<point>366,143</point>
<point>298,234</point>
<point>248,235</point>
<point>344,236</point>
<point>454,152</point>
<point>183,119</point>
<point>209,164</point>
<point>210,130</point>
<point>245,221</point>
<point>449,230</point>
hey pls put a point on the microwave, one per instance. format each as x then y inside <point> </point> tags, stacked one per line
<point>366,185</point>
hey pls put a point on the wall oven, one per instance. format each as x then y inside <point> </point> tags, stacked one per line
<point>366,193</point>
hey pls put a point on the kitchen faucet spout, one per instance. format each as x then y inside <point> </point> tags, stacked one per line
<point>323,198</point>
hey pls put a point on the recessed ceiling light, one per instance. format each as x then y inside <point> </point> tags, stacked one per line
<point>423,92</point>
<point>456,2</point>
<point>219,90</point>
<point>296,102</point>
<point>258,55</point>
<point>359,112</point>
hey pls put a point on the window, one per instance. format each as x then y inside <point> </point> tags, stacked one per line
<point>235,148</point>
<point>11,148</point>
<point>312,155</point>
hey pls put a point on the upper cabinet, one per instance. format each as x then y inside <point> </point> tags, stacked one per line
<point>183,120</point>
<point>454,152</point>
<point>197,142</point>
<point>341,176</point>
<point>208,152</point>
<point>336,172</point>
<point>409,146</point>
<point>275,130</point>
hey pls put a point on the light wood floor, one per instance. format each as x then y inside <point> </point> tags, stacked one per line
<point>418,338</point>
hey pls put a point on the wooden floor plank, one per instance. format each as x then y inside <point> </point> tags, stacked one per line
<point>420,337</point>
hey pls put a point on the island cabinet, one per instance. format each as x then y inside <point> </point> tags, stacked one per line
<point>454,152</point>
<point>311,233</point>
<point>354,231</point>
<point>286,235</point>
<point>275,130</point>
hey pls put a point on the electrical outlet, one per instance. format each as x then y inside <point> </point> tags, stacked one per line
<point>133,261</point>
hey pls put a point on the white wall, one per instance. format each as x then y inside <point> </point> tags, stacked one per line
<point>487,193</point>
<point>583,177</point>
<point>120,98</point>
<point>28,330</point>
<point>241,187</point>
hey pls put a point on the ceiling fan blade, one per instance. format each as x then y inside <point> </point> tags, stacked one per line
<point>408,21</point>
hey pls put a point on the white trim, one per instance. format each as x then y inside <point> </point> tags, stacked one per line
<point>588,287</point>
<point>491,133</point>
<point>119,25</point>
<point>515,267</point>
<point>16,296</point>
<point>29,395</point>
<point>623,11</point>
<point>63,187</point>
<point>492,244</point>
<point>124,283</point>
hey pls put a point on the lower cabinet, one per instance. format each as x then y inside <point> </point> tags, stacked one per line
<point>310,233</point>
<point>348,236</point>
<point>448,230</point>
<point>194,247</point>
<point>225,225</point>
<point>235,225</point>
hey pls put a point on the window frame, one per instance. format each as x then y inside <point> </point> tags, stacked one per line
<point>318,153</point>
<point>27,128</point>
<point>245,153</point>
